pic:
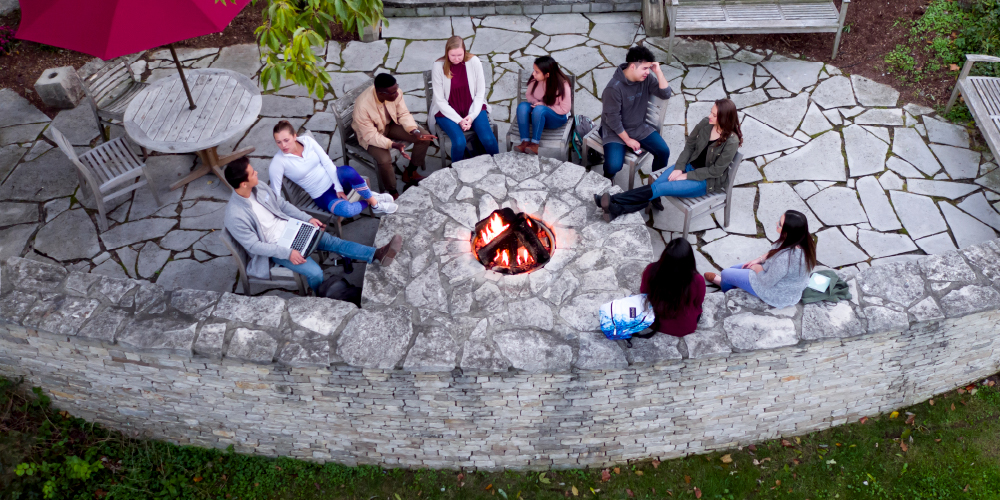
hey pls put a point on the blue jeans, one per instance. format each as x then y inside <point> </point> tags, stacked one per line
<point>737,277</point>
<point>541,116</point>
<point>349,178</point>
<point>614,154</point>
<point>311,270</point>
<point>481,126</point>
<point>678,189</point>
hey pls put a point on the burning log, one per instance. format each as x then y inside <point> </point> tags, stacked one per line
<point>511,243</point>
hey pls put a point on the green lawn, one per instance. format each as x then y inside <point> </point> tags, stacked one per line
<point>948,448</point>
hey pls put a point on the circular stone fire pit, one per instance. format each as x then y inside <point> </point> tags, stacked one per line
<point>475,318</point>
<point>512,243</point>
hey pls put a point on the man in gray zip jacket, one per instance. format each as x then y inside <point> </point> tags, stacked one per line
<point>256,218</point>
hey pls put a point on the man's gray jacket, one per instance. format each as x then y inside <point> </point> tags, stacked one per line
<point>244,227</point>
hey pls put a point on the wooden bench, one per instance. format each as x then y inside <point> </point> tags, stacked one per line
<point>982,96</point>
<point>747,17</point>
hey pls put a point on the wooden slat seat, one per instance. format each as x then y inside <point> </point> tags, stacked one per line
<point>717,17</point>
<point>280,276</point>
<point>552,138</point>
<point>982,96</point>
<point>108,171</point>
<point>111,88</point>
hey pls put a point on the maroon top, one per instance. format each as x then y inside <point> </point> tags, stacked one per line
<point>686,320</point>
<point>460,99</point>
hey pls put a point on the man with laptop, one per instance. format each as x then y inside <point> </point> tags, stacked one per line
<point>270,227</point>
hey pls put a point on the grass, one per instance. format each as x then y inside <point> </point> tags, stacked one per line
<point>947,447</point>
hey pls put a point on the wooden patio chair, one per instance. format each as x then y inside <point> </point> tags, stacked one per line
<point>104,169</point>
<point>444,142</point>
<point>111,88</point>
<point>552,138</point>
<point>708,204</point>
<point>281,276</point>
<point>982,96</point>
<point>343,109</point>
<point>656,112</point>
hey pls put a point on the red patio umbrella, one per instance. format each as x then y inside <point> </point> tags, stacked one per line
<point>111,28</point>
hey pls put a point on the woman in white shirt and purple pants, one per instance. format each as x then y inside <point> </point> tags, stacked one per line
<point>303,161</point>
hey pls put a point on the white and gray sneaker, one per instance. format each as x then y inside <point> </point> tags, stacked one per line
<point>384,197</point>
<point>385,207</point>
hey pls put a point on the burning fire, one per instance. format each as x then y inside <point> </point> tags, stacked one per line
<point>523,257</point>
<point>503,258</point>
<point>492,230</point>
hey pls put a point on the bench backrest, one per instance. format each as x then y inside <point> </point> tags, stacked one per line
<point>523,75</point>
<point>343,109</point>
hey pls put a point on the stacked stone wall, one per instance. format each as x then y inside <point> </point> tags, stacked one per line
<point>217,371</point>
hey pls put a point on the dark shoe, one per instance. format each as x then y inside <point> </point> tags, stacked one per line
<point>411,177</point>
<point>385,255</point>
<point>597,200</point>
<point>710,277</point>
<point>644,335</point>
<point>531,149</point>
<point>520,147</point>
<point>657,204</point>
<point>348,265</point>
<point>605,202</point>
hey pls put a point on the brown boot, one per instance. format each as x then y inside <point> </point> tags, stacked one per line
<point>520,147</point>
<point>385,255</point>
<point>531,148</point>
<point>411,177</point>
<point>710,277</point>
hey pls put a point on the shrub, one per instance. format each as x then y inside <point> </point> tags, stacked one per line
<point>7,40</point>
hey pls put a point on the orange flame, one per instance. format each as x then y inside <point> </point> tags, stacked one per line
<point>502,258</point>
<point>493,229</point>
<point>523,257</point>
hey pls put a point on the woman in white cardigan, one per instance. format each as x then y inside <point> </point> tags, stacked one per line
<point>460,99</point>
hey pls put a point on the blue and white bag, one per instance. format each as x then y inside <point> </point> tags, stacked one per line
<point>623,317</point>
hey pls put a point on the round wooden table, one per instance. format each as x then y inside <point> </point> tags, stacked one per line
<point>160,118</point>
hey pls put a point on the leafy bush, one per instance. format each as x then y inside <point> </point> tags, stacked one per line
<point>951,31</point>
<point>7,40</point>
<point>900,60</point>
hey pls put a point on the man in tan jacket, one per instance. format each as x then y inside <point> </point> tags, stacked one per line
<point>382,122</point>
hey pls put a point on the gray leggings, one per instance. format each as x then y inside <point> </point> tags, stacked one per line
<point>737,277</point>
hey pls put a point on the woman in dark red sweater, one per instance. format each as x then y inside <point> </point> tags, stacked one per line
<point>675,290</point>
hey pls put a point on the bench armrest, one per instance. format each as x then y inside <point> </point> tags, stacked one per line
<point>981,58</point>
<point>675,2</point>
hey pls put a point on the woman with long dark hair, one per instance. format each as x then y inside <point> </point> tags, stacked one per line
<point>708,151</point>
<point>779,276</point>
<point>547,106</point>
<point>674,289</point>
<point>459,103</point>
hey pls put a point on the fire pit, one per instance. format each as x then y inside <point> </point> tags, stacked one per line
<point>512,243</point>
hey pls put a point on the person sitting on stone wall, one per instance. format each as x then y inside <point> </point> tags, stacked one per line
<point>547,104</point>
<point>707,153</point>
<point>303,161</point>
<point>674,289</point>
<point>460,99</point>
<point>256,218</point>
<point>382,122</point>
<point>623,118</point>
<point>781,275</point>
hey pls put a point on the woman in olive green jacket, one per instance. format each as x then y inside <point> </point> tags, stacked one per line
<point>708,151</point>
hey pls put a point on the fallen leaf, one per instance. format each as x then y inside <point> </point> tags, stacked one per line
<point>862,420</point>
<point>972,392</point>
<point>618,470</point>
<point>488,486</point>
<point>687,479</point>
<point>798,441</point>
<point>605,475</point>
<point>961,391</point>
<point>787,444</point>
<point>894,414</point>
<point>777,482</point>
<point>796,461</point>
<point>697,492</point>
<point>910,419</point>
<point>953,407</point>
<point>197,479</point>
<point>991,383</point>
<point>752,448</point>
<point>461,476</point>
<point>656,464</point>
<point>756,462</point>
<point>629,493</point>
<point>670,493</point>
<point>768,459</point>
<point>727,459</point>
<point>931,402</point>
<point>575,491</point>
<point>966,490</point>
<point>638,472</point>
<point>902,446</point>
<point>937,440</point>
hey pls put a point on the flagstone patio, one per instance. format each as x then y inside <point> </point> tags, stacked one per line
<point>879,180</point>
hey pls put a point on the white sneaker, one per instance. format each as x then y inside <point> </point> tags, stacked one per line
<point>381,197</point>
<point>385,207</point>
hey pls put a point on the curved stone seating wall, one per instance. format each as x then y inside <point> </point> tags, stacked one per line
<point>266,374</point>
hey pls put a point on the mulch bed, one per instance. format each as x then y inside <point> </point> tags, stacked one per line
<point>872,35</point>
<point>20,70</point>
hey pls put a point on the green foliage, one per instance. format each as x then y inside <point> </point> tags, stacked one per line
<point>900,60</point>
<point>948,32</point>
<point>292,28</point>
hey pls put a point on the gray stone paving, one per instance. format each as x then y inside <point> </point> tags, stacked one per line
<point>813,136</point>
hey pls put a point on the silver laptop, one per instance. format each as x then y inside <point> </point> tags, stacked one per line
<point>301,236</point>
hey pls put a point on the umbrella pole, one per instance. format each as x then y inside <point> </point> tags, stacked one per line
<point>183,79</point>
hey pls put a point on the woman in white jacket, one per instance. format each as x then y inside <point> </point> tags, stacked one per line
<point>460,98</point>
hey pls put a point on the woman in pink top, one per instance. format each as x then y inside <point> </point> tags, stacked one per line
<point>547,106</point>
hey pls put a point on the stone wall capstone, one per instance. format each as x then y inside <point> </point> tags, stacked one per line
<point>323,380</point>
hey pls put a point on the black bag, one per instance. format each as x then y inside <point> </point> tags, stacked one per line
<point>338,288</point>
